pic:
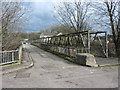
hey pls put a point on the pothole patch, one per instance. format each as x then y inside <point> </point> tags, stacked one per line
<point>22,75</point>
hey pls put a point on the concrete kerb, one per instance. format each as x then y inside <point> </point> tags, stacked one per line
<point>25,67</point>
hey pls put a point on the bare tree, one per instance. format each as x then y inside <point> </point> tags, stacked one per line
<point>62,29</point>
<point>73,14</point>
<point>0,28</point>
<point>13,17</point>
<point>119,31</point>
<point>106,13</point>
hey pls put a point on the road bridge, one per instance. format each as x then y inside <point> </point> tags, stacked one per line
<point>51,71</point>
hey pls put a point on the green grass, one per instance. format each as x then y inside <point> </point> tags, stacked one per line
<point>109,65</point>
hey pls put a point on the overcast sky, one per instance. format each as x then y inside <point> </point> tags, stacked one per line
<point>42,16</point>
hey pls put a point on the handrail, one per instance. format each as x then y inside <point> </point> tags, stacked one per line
<point>78,40</point>
<point>13,56</point>
<point>8,51</point>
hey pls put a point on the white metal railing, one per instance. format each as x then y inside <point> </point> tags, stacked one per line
<point>8,57</point>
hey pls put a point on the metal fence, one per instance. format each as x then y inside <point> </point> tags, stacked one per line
<point>94,42</point>
<point>9,57</point>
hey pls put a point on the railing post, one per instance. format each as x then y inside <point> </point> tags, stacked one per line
<point>106,44</point>
<point>20,54</point>
<point>2,57</point>
<point>12,56</point>
<point>88,41</point>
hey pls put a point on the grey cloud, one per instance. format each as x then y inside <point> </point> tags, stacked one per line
<point>41,17</point>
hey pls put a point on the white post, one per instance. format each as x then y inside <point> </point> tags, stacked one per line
<point>20,54</point>
<point>12,56</point>
<point>88,41</point>
<point>106,44</point>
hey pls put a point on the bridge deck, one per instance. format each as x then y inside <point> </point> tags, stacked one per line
<point>50,71</point>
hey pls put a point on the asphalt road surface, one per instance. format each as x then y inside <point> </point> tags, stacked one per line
<point>51,71</point>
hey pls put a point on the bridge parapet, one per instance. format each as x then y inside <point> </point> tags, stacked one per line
<point>94,42</point>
